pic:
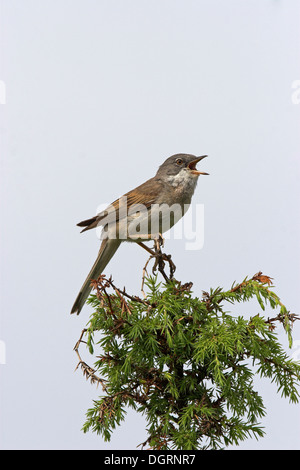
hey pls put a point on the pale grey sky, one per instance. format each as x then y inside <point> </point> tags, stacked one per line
<point>98,94</point>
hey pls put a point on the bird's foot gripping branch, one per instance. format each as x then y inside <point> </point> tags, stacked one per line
<point>185,362</point>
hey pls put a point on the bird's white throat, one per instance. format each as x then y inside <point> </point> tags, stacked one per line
<point>185,179</point>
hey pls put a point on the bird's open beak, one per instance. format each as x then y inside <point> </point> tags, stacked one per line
<point>192,166</point>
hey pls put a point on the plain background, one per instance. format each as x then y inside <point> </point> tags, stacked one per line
<point>98,94</point>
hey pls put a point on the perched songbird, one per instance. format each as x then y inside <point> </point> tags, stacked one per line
<point>143,213</point>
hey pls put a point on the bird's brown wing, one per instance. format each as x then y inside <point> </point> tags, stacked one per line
<point>146,194</point>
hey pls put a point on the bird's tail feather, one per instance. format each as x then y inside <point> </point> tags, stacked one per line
<point>107,250</point>
<point>89,223</point>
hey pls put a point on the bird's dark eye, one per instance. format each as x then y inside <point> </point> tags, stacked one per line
<point>179,161</point>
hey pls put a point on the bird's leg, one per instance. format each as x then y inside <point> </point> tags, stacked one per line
<point>159,241</point>
<point>146,248</point>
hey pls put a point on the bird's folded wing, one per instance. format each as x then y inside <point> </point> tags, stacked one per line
<point>139,198</point>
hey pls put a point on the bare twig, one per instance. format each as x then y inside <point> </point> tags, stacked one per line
<point>292,317</point>
<point>88,372</point>
<point>144,276</point>
<point>159,263</point>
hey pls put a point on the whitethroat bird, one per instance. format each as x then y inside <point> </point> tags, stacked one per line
<point>143,213</point>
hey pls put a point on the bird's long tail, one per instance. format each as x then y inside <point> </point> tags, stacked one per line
<point>107,250</point>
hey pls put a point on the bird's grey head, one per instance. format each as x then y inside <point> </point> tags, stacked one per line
<point>180,162</point>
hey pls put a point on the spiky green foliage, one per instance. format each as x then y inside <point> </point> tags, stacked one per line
<point>185,363</point>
